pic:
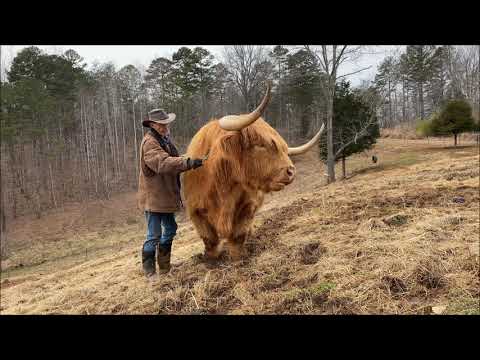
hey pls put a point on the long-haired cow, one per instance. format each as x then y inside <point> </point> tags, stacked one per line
<point>247,158</point>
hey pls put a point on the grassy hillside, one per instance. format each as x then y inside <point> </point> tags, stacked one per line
<point>397,237</point>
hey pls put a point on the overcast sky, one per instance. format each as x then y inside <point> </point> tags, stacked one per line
<point>122,55</point>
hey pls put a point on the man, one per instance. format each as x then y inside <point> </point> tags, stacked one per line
<point>159,189</point>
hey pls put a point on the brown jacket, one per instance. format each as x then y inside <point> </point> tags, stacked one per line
<point>157,185</point>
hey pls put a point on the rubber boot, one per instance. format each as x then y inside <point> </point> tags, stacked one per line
<point>148,262</point>
<point>163,259</point>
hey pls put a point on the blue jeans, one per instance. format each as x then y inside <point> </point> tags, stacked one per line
<point>155,235</point>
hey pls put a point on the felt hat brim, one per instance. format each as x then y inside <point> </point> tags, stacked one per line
<point>171,117</point>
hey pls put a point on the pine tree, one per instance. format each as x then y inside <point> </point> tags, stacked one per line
<point>302,89</point>
<point>455,118</point>
<point>356,127</point>
<point>279,56</point>
<point>420,61</point>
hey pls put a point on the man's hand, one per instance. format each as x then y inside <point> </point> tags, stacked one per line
<point>194,163</point>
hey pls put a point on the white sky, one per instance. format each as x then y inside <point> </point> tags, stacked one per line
<point>138,55</point>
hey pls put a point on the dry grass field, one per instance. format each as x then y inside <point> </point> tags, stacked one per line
<point>397,237</point>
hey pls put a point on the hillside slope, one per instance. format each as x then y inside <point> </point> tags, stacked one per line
<point>398,237</point>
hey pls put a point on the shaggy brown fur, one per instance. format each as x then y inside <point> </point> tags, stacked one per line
<point>223,195</point>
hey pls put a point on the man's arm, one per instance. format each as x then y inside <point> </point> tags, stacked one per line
<point>160,161</point>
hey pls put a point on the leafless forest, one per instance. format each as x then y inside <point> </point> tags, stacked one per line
<point>70,131</point>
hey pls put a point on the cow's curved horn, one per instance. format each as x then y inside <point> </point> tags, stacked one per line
<point>305,147</point>
<point>238,122</point>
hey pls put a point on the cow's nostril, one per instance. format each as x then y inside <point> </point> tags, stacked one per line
<point>290,171</point>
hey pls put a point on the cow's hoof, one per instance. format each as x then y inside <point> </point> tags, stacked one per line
<point>238,256</point>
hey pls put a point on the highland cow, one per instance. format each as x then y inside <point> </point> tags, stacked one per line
<point>247,158</point>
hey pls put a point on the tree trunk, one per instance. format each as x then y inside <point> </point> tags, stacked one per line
<point>105,160</point>
<point>288,130</point>
<point>50,172</point>
<point>123,116</point>
<point>330,155</point>
<point>455,139</point>
<point>3,209</point>
<point>52,186</point>
<point>390,103</point>
<point>395,107</point>
<point>97,154</point>
<point>343,167</point>
<point>422,105</point>
<point>87,142</point>
<point>404,103</point>
<point>280,91</point>
<point>135,139</point>
<point>115,132</point>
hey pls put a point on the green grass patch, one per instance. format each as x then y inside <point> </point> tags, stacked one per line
<point>464,306</point>
<point>322,288</point>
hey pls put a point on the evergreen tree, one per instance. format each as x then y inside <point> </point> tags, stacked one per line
<point>356,127</point>
<point>455,118</point>
<point>437,83</point>
<point>302,88</point>
<point>420,61</point>
<point>279,56</point>
<point>159,81</point>
<point>219,91</point>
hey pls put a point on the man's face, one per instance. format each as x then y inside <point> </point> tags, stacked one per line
<point>161,128</point>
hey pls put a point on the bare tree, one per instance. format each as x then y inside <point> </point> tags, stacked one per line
<point>328,59</point>
<point>245,64</point>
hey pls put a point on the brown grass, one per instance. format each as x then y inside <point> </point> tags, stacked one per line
<point>408,132</point>
<point>397,237</point>
<point>401,132</point>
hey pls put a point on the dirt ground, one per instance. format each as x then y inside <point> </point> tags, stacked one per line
<point>397,237</point>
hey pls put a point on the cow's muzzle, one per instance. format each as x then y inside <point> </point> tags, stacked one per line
<point>289,175</point>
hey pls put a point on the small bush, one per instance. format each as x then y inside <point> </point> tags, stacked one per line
<point>424,127</point>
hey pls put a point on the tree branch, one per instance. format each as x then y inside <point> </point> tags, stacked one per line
<point>358,135</point>
<point>339,59</point>
<point>355,72</point>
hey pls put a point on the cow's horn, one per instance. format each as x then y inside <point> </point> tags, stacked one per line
<point>238,122</point>
<point>305,147</point>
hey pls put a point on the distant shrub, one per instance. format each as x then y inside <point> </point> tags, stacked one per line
<point>424,127</point>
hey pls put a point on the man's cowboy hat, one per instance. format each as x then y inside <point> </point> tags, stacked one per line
<point>158,116</point>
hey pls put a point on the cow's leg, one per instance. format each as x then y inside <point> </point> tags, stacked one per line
<point>235,246</point>
<point>207,233</point>
<point>237,240</point>
<point>212,248</point>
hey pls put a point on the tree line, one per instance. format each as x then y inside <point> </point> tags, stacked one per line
<point>69,132</point>
<point>419,80</point>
